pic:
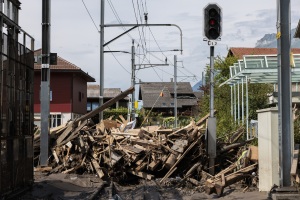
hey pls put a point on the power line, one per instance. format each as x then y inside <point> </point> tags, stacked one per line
<point>99,33</point>
<point>141,40</point>
<point>119,20</point>
<point>137,21</point>
<point>158,45</point>
<point>90,16</point>
<point>141,18</point>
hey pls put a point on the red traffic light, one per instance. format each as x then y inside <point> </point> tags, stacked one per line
<point>212,22</point>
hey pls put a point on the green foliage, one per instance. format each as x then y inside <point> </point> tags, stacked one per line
<point>297,129</point>
<point>222,101</point>
<point>258,97</point>
<point>115,112</point>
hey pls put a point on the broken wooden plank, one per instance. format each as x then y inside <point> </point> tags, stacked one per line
<point>203,119</point>
<point>106,104</point>
<point>179,145</point>
<point>141,174</point>
<point>141,167</point>
<point>164,131</point>
<point>68,134</point>
<point>237,134</point>
<point>132,149</point>
<point>97,168</point>
<point>93,113</point>
<point>231,178</point>
<point>179,159</point>
<point>125,134</point>
<point>145,143</point>
<point>154,164</point>
<point>55,156</point>
<point>234,145</point>
<point>108,124</point>
<point>42,169</point>
<point>253,153</point>
<point>58,129</point>
<point>193,181</point>
<point>171,161</point>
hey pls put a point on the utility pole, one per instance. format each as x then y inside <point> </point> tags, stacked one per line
<point>133,81</point>
<point>279,94</point>
<point>175,91</point>
<point>285,92</point>
<point>101,92</point>
<point>45,83</point>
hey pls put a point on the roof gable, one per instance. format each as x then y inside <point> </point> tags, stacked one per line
<point>150,93</point>
<point>93,91</point>
<point>239,52</point>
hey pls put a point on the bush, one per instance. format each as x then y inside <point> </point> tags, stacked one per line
<point>297,129</point>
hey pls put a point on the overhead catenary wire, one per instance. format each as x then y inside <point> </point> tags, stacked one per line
<point>140,45</point>
<point>90,16</point>
<point>120,21</point>
<point>141,40</point>
<point>137,21</point>
<point>99,33</point>
<point>141,18</point>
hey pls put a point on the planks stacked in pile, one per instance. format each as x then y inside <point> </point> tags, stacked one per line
<point>111,149</point>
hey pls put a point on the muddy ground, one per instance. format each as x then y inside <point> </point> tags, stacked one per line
<point>67,187</point>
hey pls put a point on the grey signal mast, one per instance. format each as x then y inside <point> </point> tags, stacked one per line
<point>212,32</point>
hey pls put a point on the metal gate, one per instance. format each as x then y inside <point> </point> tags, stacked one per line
<point>16,113</point>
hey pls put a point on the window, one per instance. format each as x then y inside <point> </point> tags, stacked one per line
<point>95,105</point>
<point>89,106</point>
<point>172,104</point>
<point>55,120</point>
<point>164,104</point>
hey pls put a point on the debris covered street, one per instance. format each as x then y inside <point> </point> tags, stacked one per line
<point>111,159</point>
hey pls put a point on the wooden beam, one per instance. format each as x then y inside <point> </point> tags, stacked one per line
<point>73,125</point>
<point>141,174</point>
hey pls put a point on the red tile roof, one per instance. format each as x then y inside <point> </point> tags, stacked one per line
<point>240,52</point>
<point>63,66</point>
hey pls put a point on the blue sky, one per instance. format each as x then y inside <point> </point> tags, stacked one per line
<point>75,37</point>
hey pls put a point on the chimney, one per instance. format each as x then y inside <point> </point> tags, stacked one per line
<point>171,80</point>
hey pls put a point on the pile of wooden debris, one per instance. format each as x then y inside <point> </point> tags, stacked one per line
<point>112,150</point>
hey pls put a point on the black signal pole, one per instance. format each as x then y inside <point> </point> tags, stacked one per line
<point>286,94</point>
<point>45,82</point>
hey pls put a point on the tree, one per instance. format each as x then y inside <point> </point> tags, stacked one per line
<point>222,100</point>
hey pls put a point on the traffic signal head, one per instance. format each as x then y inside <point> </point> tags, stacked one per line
<point>212,22</point>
